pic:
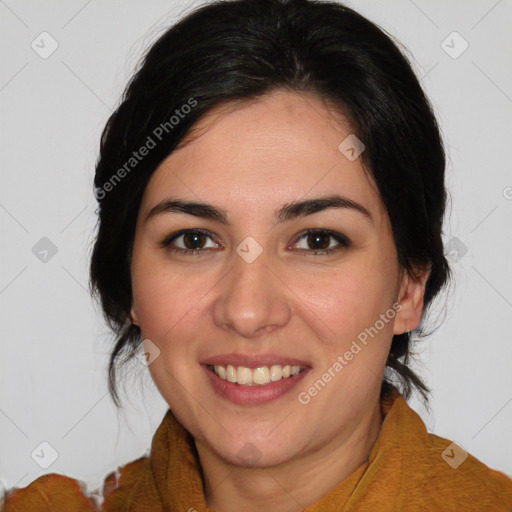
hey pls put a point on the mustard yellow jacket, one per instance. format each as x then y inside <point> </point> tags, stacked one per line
<point>408,469</point>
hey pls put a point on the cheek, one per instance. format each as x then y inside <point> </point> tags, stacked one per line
<point>155,306</point>
<point>167,305</point>
<point>163,298</point>
<point>349,299</point>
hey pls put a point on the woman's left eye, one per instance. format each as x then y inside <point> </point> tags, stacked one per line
<point>321,241</point>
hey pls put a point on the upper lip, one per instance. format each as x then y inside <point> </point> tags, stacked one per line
<point>253,360</point>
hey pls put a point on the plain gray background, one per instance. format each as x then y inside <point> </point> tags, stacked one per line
<point>55,345</point>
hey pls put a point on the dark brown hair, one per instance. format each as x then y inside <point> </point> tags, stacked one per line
<point>241,49</point>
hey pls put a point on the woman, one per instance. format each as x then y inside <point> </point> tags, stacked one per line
<point>271,195</point>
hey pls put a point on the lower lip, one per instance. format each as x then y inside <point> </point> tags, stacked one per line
<point>253,394</point>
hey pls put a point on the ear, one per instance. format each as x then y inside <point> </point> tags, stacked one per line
<point>134,317</point>
<point>410,297</point>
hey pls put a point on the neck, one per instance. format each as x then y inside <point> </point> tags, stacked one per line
<point>291,486</point>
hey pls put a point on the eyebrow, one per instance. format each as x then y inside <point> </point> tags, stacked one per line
<point>285,213</point>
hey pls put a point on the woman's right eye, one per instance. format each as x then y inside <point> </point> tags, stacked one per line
<point>188,241</point>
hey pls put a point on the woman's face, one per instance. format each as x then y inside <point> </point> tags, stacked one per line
<point>255,299</point>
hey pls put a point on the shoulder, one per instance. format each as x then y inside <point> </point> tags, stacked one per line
<point>450,477</point>
<point>51,492</point>
<point>59,493</point>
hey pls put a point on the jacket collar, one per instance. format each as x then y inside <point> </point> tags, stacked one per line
<point>178,476</point>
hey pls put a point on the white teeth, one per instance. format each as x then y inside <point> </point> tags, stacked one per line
<point>259,376</point>
<point>276,372</point>
<point>244,375</point>
<point>230,373</point>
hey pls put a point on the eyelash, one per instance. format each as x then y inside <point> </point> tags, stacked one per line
<point>343,241</point>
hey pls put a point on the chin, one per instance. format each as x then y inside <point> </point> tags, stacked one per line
<point>253,455</point>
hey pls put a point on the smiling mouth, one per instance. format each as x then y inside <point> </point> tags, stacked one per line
<point>260,376</point>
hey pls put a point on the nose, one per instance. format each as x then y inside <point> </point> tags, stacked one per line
<point>253,299</point>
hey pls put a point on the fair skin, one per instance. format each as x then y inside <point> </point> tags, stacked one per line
<point>250,161</point>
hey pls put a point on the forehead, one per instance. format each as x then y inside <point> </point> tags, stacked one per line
<point>273,150</point>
